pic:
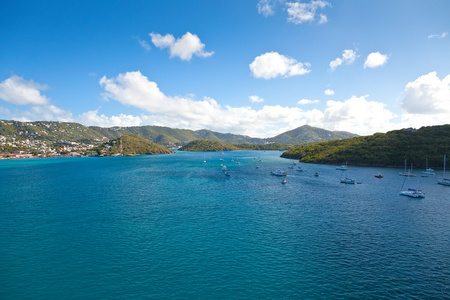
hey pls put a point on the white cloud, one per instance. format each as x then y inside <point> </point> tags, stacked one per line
<point>19,91</point>
<point>329,92</point>
<point>134,89</point>
<point>322,19</point>
<point>255,99</point>
<point>306,12</point>
<point>428,95</point>
<point>266,7</point>
<point>144,45</point>
<point>43,113</point>
<point>307,101</point>
<point>91,118</point>
<point>375,59</point>
<point>273,64</point>
<point>348,57</point>
<point>352,115</point>
<point>184,48</point>
<point>439,36</point>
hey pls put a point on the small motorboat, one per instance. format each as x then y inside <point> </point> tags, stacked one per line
<point>379,175</point>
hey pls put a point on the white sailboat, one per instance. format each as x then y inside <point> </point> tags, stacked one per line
<point>342,167</point>
<point>413,193</point>
<point>406,173</point>
<point>444,181</point>
<point>346,179</point>
<point>410,192</point>
<point>428,171</point>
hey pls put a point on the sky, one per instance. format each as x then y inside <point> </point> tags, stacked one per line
<point>251,67</point>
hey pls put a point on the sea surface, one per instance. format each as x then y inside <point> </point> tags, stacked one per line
<point>175,227</point>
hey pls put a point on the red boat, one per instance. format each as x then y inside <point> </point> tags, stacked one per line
<point>379,176</point>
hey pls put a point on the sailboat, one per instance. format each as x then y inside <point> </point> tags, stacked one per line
<point>444,181</point>
<point>408,173</point>
<point>428,171</point>
<point>346,179</point>
<point>342,167</point>
<point>413,193</point>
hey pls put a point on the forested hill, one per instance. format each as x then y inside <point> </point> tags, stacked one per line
<point>133,145</point>
<point>208,145</point>
<point>381,149</point>
<point>308,134</point>
<point>74,132</point>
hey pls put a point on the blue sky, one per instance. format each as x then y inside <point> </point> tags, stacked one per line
<point>253,67</point>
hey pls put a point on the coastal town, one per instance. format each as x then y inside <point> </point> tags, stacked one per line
<point>12,148</point>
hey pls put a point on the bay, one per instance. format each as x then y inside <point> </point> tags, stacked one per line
<point>174,226</point>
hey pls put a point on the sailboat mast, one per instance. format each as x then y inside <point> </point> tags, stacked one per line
<point>444,165</point>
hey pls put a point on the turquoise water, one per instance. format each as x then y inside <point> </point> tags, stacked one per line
<point>172,226</point>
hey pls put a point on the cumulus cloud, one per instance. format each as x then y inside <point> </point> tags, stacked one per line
<point>375,59</point>
<point>306,12</point>
<point>428,95</point>
<point>329,92</point>
<point>27,93</point>
<point>351,115</point>
<point>43,113</point>
<point>438,36</point>
<point>135,89</point>
<point>184,48</point>
<point>255,99</point>
<point>19,91</point>
<point>273,64</point>
<point>348,57</point>
<point>307,101</point>
<point>92,118</point>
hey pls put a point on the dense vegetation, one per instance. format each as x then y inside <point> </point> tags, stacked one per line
<point>134,145</point>
<point>208,145</point>
<point>272,146</point>
<point>308,134</point>
<point>74,132</point>
<point>381,149</point>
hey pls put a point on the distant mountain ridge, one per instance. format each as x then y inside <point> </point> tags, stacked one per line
<point>75,132</point>
<point>307,134</point>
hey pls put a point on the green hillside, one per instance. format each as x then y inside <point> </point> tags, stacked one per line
<point>208,145</point>
<point>381,149</point>
<point>308,134</point>
<point>134,145</point>
<point>74,132</point>
<point>271,146</point>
